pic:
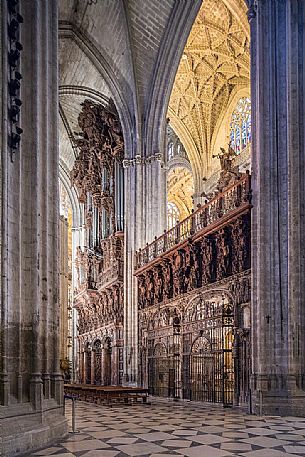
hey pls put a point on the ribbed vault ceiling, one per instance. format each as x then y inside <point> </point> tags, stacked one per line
<point>180,187</point>
<point>215,65</point>
<point>108,40</point>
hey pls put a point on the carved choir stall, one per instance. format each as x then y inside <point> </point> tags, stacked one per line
<point>98,176</point>
<point>194,299</point>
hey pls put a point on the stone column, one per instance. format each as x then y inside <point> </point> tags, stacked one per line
<point>64,292</point>
<point>4,164</point>
<point>29,237</point>
<point>145,218</point>
<point>278,270</point>
<point>133,236</point>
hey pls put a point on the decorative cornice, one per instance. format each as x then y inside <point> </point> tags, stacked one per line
<point>138,160</point>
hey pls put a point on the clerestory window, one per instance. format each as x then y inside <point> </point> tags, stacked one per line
<point>240,126</point>
<point>173,215</point>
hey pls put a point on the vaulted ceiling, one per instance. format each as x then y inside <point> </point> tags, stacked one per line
<point>110,47</point>
<point>215,65</point>
<point>120,49</point>
<point>180,190</point>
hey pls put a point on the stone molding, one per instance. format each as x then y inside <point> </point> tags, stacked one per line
<point>139,160</point>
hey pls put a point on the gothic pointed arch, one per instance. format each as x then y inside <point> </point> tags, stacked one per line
<point>72,32</point>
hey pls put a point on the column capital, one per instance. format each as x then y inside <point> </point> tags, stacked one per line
<point>139,160</point>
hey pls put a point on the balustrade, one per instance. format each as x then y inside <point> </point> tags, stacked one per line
<point>229,203</point>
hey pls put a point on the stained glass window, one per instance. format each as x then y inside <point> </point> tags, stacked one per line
<point>240,126</point>
<point>173,215</point>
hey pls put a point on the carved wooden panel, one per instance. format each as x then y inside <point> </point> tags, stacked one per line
<point>212,258</point>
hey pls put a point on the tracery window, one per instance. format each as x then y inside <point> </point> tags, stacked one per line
<point>173,215</point>
<point>175,148</point>
<point>240,126</point>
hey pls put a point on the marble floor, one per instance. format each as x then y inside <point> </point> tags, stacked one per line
<point>167,428</point>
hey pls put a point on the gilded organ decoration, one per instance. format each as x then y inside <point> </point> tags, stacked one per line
<point>98,176</point>
<point>100,145</point>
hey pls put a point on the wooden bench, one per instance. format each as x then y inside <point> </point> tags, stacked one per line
<point>107,394</point>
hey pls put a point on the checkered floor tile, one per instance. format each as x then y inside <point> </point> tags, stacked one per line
<point>167,428</point>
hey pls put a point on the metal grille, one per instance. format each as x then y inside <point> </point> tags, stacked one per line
<point>207,368</point>
<point>161,373</point>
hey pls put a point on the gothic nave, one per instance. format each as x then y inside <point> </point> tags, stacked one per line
<point>152,223</point>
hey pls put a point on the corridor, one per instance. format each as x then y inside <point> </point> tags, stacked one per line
<point>165,428</point>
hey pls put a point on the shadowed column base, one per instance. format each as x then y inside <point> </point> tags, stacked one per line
<point>279,395</point>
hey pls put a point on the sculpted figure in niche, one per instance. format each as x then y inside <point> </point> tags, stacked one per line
<point>192,279</point>
<point>150,289</point>
<point>177,265</point>
<point>158,283</point>
<point>167,280</point>
<point>239,247</point>
<point>222,255</point>
<point>141,292</point>
<point>184,256</point>
<point>207,260</point>
<point>195,273</point>
<point>116,297</point>
<point>247,244</point>
<point>186,271</point>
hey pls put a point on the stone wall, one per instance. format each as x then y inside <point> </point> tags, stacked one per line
<point>31,387</point>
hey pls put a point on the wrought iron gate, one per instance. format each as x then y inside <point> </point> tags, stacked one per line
<point>161,374</point>
<point>207,366</point>
<point>207,361</point>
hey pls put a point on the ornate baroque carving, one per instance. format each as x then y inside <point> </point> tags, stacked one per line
<point>199,263</point>
<point>100,144</point>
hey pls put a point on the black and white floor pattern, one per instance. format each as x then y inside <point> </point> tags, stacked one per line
<point>167,428</point>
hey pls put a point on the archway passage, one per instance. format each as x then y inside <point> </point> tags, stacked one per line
<point>180,181</point>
